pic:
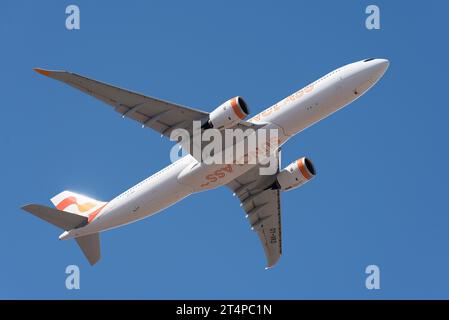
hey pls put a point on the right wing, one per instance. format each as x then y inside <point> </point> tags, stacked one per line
<point>159,115</point>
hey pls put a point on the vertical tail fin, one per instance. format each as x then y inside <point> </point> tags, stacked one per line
<point>76,203</point>
<point>90,245</point>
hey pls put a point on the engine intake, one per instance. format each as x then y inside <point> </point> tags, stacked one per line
<point>228,114</point>
<point>295,174</point>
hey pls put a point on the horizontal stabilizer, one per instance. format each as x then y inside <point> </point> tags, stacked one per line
<point>90,245</point>
<point>62,219</point>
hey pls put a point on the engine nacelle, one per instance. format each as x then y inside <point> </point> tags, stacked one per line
<point>295,175</point>
<point>228,114</point>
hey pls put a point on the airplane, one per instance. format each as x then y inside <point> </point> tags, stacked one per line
<point>83,218</point>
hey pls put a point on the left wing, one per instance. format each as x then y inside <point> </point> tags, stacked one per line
<point>263,210</point>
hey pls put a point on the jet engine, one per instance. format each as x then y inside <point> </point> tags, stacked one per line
<point>228,114</point>
<point>295,175</point>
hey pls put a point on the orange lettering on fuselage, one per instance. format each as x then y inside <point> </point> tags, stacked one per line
<point>295,96</point>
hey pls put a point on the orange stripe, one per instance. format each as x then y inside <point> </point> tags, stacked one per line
<point>302,168</point>
<point>42,71</point>
<point>95,213</point>
<point>72,200</point>
<point>85,206</point>
<point>65,203</point>
<point>236,108</point>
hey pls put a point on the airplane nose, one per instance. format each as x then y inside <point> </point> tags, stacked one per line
<point>362,75</point>
<point>384,63</point>
<point>379,68</point>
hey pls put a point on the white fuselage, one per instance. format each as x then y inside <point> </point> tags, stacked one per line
<point>186,176</point>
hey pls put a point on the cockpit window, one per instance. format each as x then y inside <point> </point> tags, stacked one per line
<point>366,60</point>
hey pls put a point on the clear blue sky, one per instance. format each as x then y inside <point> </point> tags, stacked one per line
<point>380,196</point>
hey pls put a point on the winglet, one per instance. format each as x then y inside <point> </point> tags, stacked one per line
<point>42,71</point>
